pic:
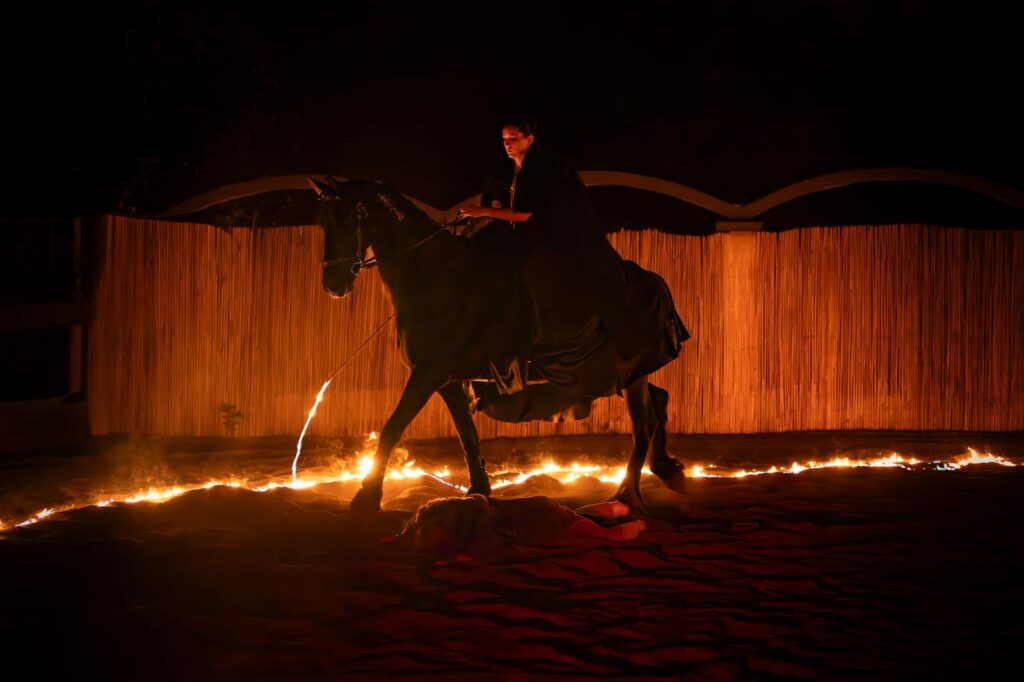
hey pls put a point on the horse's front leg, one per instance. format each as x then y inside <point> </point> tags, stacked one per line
<point>458,405</point>
<point>641,414</point>
<point>667,468</point>
<point>418,389</point>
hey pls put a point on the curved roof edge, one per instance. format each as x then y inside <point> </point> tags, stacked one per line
<point>723,209</point>
<point>275,183</point>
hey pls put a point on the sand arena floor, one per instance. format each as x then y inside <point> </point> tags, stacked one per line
<point>867,573</point>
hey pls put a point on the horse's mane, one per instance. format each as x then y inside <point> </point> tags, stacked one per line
<point>395,201</point>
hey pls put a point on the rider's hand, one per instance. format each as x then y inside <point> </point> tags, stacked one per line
<point>473,212</point>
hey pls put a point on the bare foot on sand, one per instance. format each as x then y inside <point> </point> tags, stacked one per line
<point>610,510</point>
<point>629,530</point>
<point>624,532</point>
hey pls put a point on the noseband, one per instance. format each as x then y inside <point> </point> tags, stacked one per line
<point>359,261</point>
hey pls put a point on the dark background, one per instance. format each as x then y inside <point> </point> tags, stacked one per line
<point>132,107</point>
<point>136,106</point>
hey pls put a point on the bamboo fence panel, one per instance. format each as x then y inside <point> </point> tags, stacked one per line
<point>878,327</point>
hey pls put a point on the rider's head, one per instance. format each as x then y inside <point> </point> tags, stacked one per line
<point>517,134</point>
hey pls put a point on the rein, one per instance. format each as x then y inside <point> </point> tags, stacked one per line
<point>359,262</point>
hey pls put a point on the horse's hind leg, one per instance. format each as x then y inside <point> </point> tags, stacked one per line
<point>418,390</point>
<point>455,398</point>
<point>668,469</point>
<point>638,402</point>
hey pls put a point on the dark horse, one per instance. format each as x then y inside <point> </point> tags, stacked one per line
<point>458,319</point>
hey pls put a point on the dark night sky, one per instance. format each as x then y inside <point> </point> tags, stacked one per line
<point>139,105</point>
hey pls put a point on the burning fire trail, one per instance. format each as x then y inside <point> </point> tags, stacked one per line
<point>320,397</point>
<point>564,473</point>
<point>305,427</point>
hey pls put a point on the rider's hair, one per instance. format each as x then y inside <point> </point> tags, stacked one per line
<point>524,122</point>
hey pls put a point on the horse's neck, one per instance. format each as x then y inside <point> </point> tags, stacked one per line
<point>410,252</point>
<point>399,237</point>
<point>406,245</point>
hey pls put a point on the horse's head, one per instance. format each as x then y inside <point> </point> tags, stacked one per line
<point>349,230</point>
<point>359,215</point>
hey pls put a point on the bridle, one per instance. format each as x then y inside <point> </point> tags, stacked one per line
<point>359,260</point>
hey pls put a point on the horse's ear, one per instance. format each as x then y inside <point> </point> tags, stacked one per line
<point>325,191</point>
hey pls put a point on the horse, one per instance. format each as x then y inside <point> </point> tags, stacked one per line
<point>457,319</point>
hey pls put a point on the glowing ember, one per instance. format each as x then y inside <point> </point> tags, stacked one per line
<point>358,466</point>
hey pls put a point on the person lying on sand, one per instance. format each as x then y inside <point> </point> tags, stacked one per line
<point>455,523</point>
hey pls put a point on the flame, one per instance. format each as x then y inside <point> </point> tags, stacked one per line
<point>564,473</point>
<point>890,461</point>
<point>305,427</point>
<point>360,465</point>
<point>973,457</point>
<point>37,517</point>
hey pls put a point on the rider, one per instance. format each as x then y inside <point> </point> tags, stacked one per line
<point>534,180</point>
<point>539,221</point>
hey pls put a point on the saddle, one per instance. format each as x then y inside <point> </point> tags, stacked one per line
<point>557,375</point>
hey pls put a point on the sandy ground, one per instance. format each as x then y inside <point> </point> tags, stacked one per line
<point>871,574</point>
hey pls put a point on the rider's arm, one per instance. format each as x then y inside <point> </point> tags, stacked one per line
<point>506,214</point>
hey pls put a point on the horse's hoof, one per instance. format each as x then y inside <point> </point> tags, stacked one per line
<point>635,504</point>
<point>366,501</point>
<point>479,482</point>
<point>672,473</point>
<point>630,497</point>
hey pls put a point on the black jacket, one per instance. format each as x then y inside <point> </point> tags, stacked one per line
<point>549,187</point>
